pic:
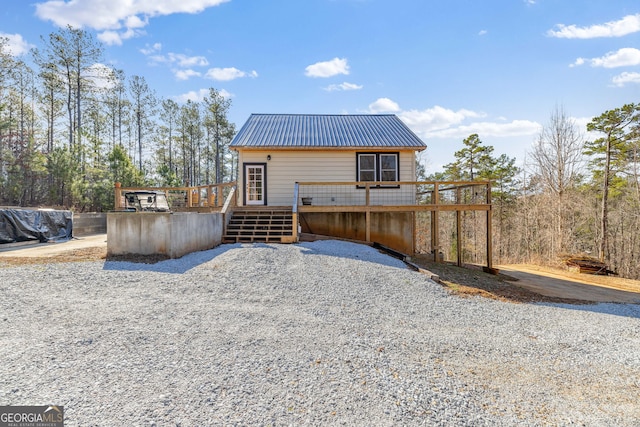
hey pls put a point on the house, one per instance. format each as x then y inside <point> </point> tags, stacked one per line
<point>321,166</point>
<point>277,150</point>
<point>345,176</point>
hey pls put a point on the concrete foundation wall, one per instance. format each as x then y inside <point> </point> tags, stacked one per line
<point>85,224</point>
<point>392,229</point>
<point>172,234</point>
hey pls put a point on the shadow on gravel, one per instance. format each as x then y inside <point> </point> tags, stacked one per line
<point>175,266</point>
<point>349,250</point>
<point>471,281</point>
<point>615,309</point>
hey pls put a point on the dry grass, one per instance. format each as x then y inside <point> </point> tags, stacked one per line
<point>79,255</point>
<point>85,254</point>
<point>472,281</point>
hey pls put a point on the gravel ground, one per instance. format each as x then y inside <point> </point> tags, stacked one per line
<point>323,333</point>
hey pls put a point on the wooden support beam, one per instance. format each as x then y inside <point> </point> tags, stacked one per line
<point>459,238</point>
<point>368,195</point>
<point>367,225</point>
<point>458,231</point>
<point>435,226</point>
<point>489,231</point>
<point>294,211</point>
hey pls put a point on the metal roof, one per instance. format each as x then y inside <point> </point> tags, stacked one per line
<point>326,131</point>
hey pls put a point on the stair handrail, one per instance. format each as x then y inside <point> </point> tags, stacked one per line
<point>230,202</point>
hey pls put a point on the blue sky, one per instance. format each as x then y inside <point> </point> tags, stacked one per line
<point>448,68</point>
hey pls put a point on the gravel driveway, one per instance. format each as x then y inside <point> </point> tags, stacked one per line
<point>323,333</point>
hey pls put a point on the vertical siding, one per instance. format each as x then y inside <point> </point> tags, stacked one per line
<point>287,167</point>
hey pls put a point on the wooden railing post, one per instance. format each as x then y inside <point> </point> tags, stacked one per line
<point>435,228</point>
<point>117,194</point>
<point>367,200</point>
<point>367,214</point>
<point>489,230</point>
<point>458,229</point>
<point>294,212</point>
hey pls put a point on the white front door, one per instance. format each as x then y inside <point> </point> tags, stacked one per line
<point>254,185</point>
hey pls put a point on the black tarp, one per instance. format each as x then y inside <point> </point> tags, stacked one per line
<point>22,225</point>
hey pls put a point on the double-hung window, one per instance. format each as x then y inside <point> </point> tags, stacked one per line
<point>367,170</point>
<point>378,167</point>
<point>388,167</point>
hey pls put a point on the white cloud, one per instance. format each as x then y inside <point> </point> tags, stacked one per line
<point>110,38</point>
<point>114,38</point>
<point>579,61</point>
<point>328,68</point>
<point>440,122</point>
<point>581,123</point>
<point>135,22</point>
<point>436,118</point>
<point>148,50</point>
<point>178,59</point>
<point>343,86</point>
<point>383,105</point>
<point>187,61</point>
<point>624,78</point>
<point>623,57</point>
<point>16,45</point>
<point>627,56</point>
<point>487,129</point>
<point>101,75</point>
<point>116,19</point>
<point>482,32</point>
<point>627,25</point>
<point>199,95</point>
<point>186,74</point>
<point>226,74</point>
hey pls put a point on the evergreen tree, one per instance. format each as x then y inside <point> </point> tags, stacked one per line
<point>609,158</point>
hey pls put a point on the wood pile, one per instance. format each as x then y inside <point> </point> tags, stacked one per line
<point>588,265</point>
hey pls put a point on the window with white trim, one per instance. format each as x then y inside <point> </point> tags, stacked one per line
<point>378,167</point>
<point>388,167</point>
<point>367,170</point>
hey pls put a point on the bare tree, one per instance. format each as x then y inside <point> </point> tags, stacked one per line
<point>557,154</point>
<point>556,161</point>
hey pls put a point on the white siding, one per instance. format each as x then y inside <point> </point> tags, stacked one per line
<point>287,167</point>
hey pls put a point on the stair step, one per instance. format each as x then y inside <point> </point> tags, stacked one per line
<point>260,223</point>
<point>266,225</point>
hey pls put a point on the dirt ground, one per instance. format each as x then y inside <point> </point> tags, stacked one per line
<point>529,283</point>
<point>556,282</point>
<point>86,248</point>
<point>516,283</point>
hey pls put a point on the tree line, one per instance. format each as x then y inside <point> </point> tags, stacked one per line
<point>70,128</point>
<point>573,196</point>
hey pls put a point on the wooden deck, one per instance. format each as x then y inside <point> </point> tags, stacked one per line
<point>262,223</point>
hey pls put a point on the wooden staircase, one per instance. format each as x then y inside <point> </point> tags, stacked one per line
<point>259,225</point>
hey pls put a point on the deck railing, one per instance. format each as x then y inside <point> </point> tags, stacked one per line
<point>210,197</point>
<point>412,195</point>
